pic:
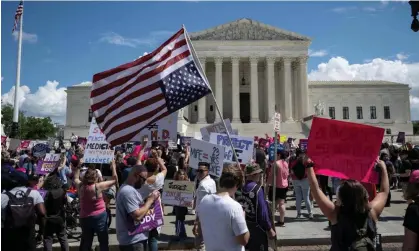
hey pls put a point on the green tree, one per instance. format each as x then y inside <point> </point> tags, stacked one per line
<point>29,127</point>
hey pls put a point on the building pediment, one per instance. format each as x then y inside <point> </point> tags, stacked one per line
<point>246,29</point>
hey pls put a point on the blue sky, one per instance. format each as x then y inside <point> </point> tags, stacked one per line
<point>70,41</point>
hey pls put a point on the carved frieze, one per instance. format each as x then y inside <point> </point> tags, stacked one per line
<point>246,29</point>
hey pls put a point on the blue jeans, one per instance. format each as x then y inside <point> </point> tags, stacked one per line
<point>153,236</point>
<point>94,224</point>
<point>302,191</point>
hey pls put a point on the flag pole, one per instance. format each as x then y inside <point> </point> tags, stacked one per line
<point>15,124</point>
<point>212,94</point>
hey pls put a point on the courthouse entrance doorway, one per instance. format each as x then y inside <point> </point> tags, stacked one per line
<point>245,107</point>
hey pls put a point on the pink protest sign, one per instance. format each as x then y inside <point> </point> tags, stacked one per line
<point>152,220</point>
<point>344,150</point>
<point>24,144</point>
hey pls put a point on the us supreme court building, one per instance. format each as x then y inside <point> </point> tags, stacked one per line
<point>255,68</point>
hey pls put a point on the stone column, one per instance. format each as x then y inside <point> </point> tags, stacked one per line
<point>218,86</point>
<point>254,90</point>
<point>303,87</point>
<point>287,89</point>
<point>270,63</point>
<point>235,89</point>
<point>296,98</point>
<point>202,103</point>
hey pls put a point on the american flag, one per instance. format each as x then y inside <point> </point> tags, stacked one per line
<point>130,97</point>
<point>18,14</point>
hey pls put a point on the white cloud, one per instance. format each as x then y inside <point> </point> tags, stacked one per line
<point>319,53</point>
<point>29,37</point>
<point>343,9</point>
<point>338,68</point>
<point>401,56</point>
<point>47,101</point>
<point>151,40</point>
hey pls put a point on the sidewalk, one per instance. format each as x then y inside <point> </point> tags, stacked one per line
<point>297,232</point>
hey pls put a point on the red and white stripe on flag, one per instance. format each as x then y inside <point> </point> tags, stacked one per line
<point>18,14</point>
<point>128,98</point>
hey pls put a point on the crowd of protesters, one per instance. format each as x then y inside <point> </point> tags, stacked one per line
<point>232,212</point>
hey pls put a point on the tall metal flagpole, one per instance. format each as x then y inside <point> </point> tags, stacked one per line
<point>15,125</point>
<point>212,93</point>
<point>277,127</point>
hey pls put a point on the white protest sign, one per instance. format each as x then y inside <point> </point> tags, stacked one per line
<point>216,128</point>
<point>242,145</point>
<point>97,149</point>
<point>202,151</point>
<point>163,130</point>
<point>178,193</point>
<point>276,120</point>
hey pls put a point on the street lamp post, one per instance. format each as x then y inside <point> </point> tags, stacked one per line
<point>414,5</point>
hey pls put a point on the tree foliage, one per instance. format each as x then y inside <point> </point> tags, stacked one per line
<point>29,127</point>
<point>415,127</point>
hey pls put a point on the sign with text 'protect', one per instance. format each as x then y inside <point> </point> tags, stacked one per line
<point>242,145</point>
<point>344,150</point>
<point>202,151</point>
<point>178,193</point>
<point>97,149</point>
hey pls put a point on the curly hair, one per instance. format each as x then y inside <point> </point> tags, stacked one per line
<point>52,182</point>
<point>90,177</point>
<point>232,176</point>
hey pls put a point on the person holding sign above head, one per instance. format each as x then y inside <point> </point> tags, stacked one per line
<point>221,219</point>
<point>131,207</point>
<point>354,219</point>
<point>93,215</point>
<point>252,199</point>
<point>156,173</point>
<point>206,185</point>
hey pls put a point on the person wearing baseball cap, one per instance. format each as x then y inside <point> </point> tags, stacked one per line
<point>252,199</point>
<point>411,218</point>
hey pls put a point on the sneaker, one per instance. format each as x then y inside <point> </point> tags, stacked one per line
<point>298,216</point>
<point>310,216</point>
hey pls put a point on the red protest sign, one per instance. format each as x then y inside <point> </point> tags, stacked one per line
<point>344,150</point>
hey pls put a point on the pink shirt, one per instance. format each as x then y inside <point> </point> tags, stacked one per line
<point>282,173</point>
<point>91,202</point>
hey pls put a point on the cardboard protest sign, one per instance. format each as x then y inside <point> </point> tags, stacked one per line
<point>344,150</point>
<point>216,128</point>
<point>40,150</point>
<point>97,149</point>
<point>163,130</point>
<point>202,151</point>
<point>178,193</point>
<point>48,164</point>
<point>152,220</point>
<point>185,141</point>
<point>242,145</point>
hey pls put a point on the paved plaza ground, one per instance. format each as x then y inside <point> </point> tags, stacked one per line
<point>298,234</point>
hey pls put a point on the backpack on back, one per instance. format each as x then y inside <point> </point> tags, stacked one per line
<point>299,169</point>
<point>20,211</point>
<point>363,242</point>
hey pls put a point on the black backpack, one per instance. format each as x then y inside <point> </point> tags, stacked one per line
<point>20,211</point>
<point>299,169</point>
<point>363,241</point>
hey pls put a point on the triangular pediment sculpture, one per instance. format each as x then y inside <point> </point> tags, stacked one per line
<point>246,29</point>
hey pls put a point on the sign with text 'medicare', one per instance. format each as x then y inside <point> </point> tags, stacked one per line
<point>178,193</point>
<point>97,149</point>
<point>344,150</point>
<point>202,151</point>
<point>152,220</point>
<point>242,145</point>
